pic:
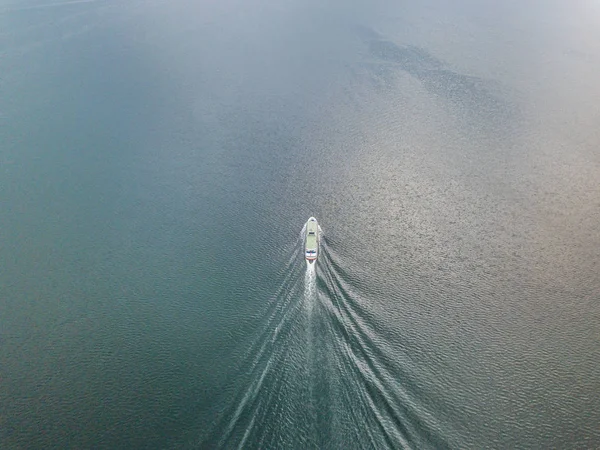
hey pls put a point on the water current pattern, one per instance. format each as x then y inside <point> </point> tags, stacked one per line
<point>320,374</point>
<point>159,157</point>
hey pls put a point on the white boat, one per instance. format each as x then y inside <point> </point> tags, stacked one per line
<point>311,244</point>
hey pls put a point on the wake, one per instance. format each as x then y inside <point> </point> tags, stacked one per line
<point>320,371</point>
<point>310,286</point>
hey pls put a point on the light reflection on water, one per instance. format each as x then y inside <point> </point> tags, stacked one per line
<point>160,160</point>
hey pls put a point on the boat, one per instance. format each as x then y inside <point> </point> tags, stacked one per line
<point>311,245</point>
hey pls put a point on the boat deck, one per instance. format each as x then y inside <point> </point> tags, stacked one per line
<point>311,239</point>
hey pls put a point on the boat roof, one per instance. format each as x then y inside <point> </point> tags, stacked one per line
<point>311,241</point>
<point>312,228</point>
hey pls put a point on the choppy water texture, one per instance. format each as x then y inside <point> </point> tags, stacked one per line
<point>158,160</point>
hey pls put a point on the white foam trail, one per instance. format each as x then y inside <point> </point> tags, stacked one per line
<point>275,334</point>
<point>310,286</point>
<point>310,298</point>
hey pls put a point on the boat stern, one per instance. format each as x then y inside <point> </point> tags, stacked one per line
<point>310,256</point>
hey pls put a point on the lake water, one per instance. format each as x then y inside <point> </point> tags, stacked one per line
<point>159,159</point>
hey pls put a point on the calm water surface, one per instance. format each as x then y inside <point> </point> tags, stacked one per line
<point>158,160</point>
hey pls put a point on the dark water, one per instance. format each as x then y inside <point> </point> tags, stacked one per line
<point>158,160</point>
